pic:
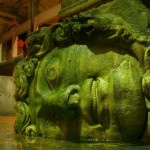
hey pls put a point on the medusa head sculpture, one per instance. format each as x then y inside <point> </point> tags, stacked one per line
<point>87,77</point>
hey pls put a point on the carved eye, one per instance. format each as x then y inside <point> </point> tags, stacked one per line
<point>51,73</point>
<point>52,77</point>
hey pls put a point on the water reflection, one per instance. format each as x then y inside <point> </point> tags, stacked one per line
<point>26,143</point>
<point>10,141</point>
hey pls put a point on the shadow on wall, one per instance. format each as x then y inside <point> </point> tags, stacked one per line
<point>6,96</point>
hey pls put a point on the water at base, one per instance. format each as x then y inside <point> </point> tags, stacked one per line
<point>10,141</point>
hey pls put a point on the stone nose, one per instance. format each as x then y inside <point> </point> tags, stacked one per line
<point>74,100</point>
<point>73,96</point>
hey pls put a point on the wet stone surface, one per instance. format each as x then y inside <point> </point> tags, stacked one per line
<point>10,141</point>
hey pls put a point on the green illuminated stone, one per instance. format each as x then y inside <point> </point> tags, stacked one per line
<point>69,7</point>
<point>88,77</point>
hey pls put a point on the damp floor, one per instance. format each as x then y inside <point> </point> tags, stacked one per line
<point>10,141</point>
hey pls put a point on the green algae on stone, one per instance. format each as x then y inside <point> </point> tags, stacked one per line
<point>87,77</point>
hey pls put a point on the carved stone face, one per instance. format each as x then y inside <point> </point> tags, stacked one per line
<point>87,77</point>
<point>73,86</point>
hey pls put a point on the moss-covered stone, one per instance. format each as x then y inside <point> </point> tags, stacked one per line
<point>87,77</point>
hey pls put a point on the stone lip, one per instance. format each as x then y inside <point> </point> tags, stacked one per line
<point>69,8</point>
